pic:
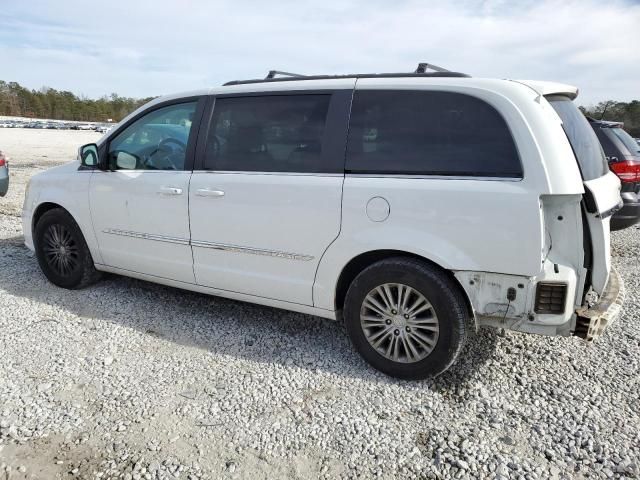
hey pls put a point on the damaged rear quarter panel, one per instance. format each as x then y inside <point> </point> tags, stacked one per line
<point>489,293</point>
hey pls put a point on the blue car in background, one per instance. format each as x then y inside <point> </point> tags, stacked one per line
<point>4,174</point>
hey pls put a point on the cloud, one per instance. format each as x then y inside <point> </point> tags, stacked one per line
<point>152,47</point>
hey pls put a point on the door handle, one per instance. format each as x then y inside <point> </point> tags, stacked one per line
<point>170,191</point>
<point>205,192</point>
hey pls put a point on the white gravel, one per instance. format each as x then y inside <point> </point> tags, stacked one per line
<point>133,380</point>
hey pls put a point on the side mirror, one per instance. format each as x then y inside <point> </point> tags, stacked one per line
<point>126,161</point>
<point>88,155</point>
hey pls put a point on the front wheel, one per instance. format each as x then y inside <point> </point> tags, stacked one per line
<point>406,318</point>
<point>62,252</point>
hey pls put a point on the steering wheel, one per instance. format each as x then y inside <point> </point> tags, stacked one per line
<point>170,140</point>
<point>168,152</point>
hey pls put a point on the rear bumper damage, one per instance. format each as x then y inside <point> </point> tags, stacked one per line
<point>592,322</point>
<point>489,295</point>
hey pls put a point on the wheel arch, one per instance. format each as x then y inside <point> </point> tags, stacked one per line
<point>358,263</point>
<point>86,230</point>
<point>43,208</point>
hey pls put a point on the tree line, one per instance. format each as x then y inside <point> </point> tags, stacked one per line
<point>627,112</point>
<point>18,101</point>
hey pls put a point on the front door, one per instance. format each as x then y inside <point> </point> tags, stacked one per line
<point>139,206</point>
<point>266,203</point>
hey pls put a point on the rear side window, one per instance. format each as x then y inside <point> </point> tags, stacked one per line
<point>275,133</point>
<point>583,139</point>
<point>429,133</point>
<point>627,140</point>
<point>608,141</point>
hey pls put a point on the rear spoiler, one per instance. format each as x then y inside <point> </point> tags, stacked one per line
<point>606,123</point>
<point>550,88</point>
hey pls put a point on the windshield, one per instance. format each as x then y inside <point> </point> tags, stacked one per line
<point>584,142</point>
<point>628,141</point>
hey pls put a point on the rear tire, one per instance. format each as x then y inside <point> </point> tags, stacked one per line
<point>62,252</point>
<point>406,318</point>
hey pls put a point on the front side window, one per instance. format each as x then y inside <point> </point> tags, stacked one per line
<point>429,133</point>
<point>156,141</point>
<point>275,133</point>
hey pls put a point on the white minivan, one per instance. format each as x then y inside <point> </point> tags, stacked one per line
<point>413,207</point>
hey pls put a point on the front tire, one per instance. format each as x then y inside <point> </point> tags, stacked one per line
<point>406,318</point>
<point>62,252</point>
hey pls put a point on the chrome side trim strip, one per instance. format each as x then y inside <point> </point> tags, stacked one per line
<point>216,246</point>
<point>147,236</point>
<point>433,177</point>
<point>251,251</point>
<point>282,174</point>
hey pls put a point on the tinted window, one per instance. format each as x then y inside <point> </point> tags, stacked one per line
<point>607,140</point>
<point>627,140</point>
<point>429,133</point>
<point>278,133</point>
<point>156,141</point>
<point>586,146</point>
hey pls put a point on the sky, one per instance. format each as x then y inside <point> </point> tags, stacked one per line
<point>142,48</point>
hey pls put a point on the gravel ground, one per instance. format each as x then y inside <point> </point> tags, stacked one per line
<point>133,380</point>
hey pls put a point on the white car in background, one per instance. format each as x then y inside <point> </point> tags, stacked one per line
<point>413,207</point>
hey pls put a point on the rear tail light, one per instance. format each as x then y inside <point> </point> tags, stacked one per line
<point>550,297</point>
<point>628,170</point>
<point>3,162</point>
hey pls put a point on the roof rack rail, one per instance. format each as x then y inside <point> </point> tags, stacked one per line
<point>423,67</point>
<point>273,73</point>
<point>421,71</point>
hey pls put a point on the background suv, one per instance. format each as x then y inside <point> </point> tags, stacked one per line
<point>623,155</point>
